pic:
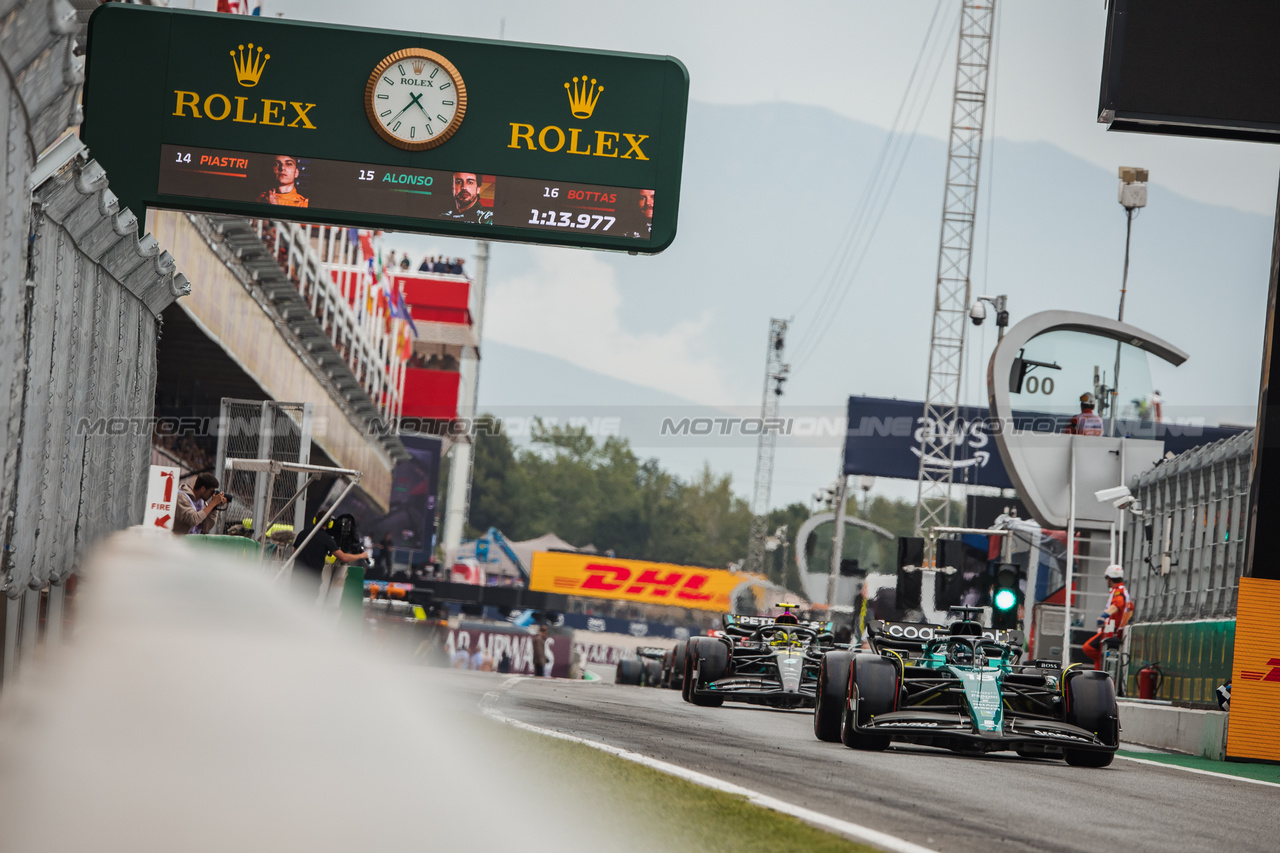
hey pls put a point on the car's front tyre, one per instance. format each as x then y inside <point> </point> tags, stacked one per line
<point>829,698</point>
<point>874,690</point>
<point>1091,705</point>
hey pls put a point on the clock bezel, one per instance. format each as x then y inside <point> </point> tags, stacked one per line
<point>458,84</point>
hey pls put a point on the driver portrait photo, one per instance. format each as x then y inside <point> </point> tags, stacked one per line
<point>644,204</point>
<point>469,195</point>
<point>285,170</point>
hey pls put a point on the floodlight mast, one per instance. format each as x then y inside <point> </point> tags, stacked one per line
<point>775,374</point>
<point>1132,197</point>
<point>955,254</point>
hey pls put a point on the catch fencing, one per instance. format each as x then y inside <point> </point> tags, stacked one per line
<point>1184,558</point>
<point>80,300</point>
<point>264,429</point>
<point>1186,554</point>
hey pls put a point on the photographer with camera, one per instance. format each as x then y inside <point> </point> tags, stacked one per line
<point>195,509</point>
<point>338,539</point>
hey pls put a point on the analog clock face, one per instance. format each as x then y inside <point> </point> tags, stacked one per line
<point>415,99</point>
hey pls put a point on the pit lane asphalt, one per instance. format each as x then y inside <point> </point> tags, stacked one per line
<point>927,796</point>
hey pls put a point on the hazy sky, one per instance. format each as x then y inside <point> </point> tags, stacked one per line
<point>854,57</point>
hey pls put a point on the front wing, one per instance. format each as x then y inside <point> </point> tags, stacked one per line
<point>756,677</point>
<point>956,730</point>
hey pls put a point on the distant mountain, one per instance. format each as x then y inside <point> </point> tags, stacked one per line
<point>515,378</point>
<point>768,190</point>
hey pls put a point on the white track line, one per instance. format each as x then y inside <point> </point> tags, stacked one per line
<point>1198,770</point>
<point>853,830</point>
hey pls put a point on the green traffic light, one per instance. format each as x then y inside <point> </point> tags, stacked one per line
<point>1006,599</point>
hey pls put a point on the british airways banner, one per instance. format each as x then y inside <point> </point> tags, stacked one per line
<point>885,435</point>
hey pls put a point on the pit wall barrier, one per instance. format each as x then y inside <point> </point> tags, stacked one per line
<point>1195,658</point>
<point>1192,731</point>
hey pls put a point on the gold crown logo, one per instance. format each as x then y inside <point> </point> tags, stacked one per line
<point>583,96</point>
<point>418,65</point>
<point>249,66</point>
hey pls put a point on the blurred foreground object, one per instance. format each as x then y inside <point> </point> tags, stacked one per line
<point>199,708</point>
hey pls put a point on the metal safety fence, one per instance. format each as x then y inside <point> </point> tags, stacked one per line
<point>1184,556</point>
<point>1183,560</point>
<point>271,430</point>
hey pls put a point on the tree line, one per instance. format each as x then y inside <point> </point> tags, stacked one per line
<point>600,493</point>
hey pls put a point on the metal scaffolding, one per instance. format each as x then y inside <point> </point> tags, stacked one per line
<point>775,373</point>
<point>955,254</point>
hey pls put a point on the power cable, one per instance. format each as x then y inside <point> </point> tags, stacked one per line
<point>991,156</point>
<point>848,238</point>
<point>830,313</point>
<point>878,200</point>
<point>874,177</point>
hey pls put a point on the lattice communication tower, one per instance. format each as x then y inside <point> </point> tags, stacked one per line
<point>775,374</point>
<point>955,255</point>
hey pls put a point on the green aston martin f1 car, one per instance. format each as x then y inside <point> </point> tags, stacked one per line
<point>961,687</point>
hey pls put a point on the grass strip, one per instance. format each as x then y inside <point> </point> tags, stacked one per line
<point>686,816</point>
<point>1261,772</point>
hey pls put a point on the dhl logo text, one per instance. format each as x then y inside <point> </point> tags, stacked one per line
<point>679,585</point>
<point>1273,675</point>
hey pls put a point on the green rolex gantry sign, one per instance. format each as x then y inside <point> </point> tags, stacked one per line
<point>382,129</point>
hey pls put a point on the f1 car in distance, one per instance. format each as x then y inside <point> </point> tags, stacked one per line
<point>645,669</point>
<point>759,659</point>
<point>961,687</point>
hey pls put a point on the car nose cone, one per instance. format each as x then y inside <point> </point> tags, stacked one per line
<point>789,667</point>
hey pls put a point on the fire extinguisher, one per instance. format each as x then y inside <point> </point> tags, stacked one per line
<point>1149,679</point>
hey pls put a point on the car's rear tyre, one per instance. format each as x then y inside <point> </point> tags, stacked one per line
<point>652,673</point>
<point>833,689</point>
<point>630,671</point>
<point>873,690</point>
<point>677,664</point>
<point>706,660</point>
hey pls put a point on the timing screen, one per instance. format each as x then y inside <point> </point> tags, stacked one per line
<point>335,185</point>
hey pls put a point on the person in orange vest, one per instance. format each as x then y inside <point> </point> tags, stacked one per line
<point>1112,622</point>
<point>1085,423</point>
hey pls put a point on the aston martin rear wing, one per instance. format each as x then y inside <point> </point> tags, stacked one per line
<point>913,636</point>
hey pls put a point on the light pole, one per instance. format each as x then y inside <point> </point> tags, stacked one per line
<point>1132,196</point>
<point>837,537</point>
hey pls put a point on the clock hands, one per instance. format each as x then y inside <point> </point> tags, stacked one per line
<point>412,100</point>
<point>417,99</point>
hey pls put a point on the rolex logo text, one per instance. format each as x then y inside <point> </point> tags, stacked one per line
<point>248,64</point>
<point>584,94</point>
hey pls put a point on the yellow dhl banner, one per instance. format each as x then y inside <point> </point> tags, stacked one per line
<point>633,580</point>
<point>1255,673</point>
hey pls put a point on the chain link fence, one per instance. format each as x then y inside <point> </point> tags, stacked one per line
<point>263,429</point>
